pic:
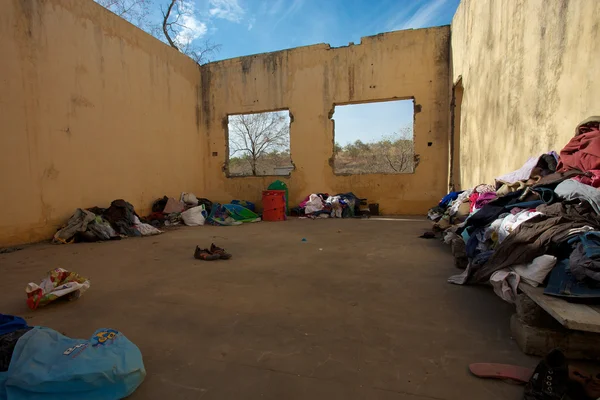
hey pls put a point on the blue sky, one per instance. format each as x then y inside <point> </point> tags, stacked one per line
<point>245,27</point>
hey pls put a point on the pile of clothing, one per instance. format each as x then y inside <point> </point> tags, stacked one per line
<point>188,210</point>
<point>96,224</point>
<point>539,224</point>
<point>322,205</point>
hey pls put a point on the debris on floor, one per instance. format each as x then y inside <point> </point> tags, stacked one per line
<point>223,255</point>
<point>506,372</point>
<point>212,253</point>
<point>537,224</point>
<point>194,216</point>
<point>553,378</point>
<point>59,284</point>
<point>7,250</point>
<point>204,254</point>
<point>231,215</point>
<point>188,210</point>
<point>428,235</point>
<point>97,224</point>
<point>39,362</point>
<point>343,205</point>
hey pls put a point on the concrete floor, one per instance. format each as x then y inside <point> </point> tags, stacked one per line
<point>361,310</point>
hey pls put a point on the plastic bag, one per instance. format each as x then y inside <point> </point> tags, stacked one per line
<point>59,283</point>
<point>48,365</point>
<point>194,216</point>
<point>219,215</point>
<point>189,199</point>
<point>313,204</point>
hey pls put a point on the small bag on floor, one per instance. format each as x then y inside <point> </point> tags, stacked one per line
<point>48,365</point>
<point>194,216</point>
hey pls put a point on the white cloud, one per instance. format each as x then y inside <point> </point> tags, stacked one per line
<point>424,16</point>
<point>192,28</point>
<point>226,9</point>
<point>274,8</point>
<point>251,22</point>
<point>291,10</point>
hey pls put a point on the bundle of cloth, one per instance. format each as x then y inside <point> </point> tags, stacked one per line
<point>97,224</point>
<point>539,224</point>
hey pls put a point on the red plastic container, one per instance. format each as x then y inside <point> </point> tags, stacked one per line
<point>273,205</point>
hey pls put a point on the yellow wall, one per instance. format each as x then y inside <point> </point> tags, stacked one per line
<point>91,109</point>
<point>530,73</point>
<point>309,81</point>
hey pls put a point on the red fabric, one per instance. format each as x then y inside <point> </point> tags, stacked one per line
<point>582,152</point>
<point>593,180</point>
<point>473,198</point>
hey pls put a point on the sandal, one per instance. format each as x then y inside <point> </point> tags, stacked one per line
<point>221,253</point>
<point>205,254</point>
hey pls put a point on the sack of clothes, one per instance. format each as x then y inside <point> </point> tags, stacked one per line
<point>537,225</point>
<point>39,362</point>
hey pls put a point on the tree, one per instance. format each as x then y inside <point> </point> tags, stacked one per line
<point>393,153</point>
<point>253,137</point>
<point>134,11</point>
<point>179,25</point>
<point>177,18</point>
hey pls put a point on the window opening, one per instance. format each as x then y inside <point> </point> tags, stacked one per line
<point>374,138</point>
<point>259,144</point>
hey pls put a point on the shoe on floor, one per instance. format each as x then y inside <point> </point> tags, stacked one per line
<point>223,255</point>
<point>205,254</point>
<point>550,380</point>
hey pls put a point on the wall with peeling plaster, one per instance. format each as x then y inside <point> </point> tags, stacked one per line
<point>309,81</point>
<point>530,74</point>
<point>92,109</point>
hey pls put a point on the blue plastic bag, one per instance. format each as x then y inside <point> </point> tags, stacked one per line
<point>48,365</point>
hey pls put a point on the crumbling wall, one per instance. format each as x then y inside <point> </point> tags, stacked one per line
<point>94,109</point>
<point>91,109</point>
<point>530,74</point>
<point>309,81</point>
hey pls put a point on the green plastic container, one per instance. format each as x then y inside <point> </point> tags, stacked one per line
<point>279,185</point>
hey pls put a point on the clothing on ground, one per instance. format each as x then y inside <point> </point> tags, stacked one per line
<point>121,216</point>
<point>535,272</point>
<point>585,258</point>
<point>77,223</point>
<point>535,236</point>
<point>505,283</point>
<point>583,150</point>
<point>573,190</point>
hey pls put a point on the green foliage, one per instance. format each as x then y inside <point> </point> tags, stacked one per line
<point>391,154</point>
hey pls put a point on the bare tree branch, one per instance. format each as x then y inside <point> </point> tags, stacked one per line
<point>180,26</point>
<point>254,138</point>
<point>166,24</point>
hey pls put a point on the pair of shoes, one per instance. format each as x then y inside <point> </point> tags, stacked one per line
<point>214,253</point>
